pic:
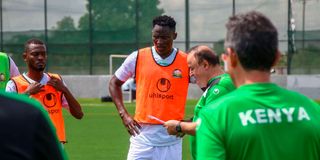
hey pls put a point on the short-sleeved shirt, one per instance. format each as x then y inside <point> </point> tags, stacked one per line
<point>153,135</point>
<point>217,87</point>
<point>130,84</point>
<point>259,121</point>
<point>14,71</point>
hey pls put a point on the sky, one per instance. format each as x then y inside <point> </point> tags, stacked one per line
<point>207,17</point>
<point>24,15</point>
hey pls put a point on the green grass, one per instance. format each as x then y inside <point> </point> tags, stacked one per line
<point>101,135</point>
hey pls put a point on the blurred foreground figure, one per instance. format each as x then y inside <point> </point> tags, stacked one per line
<point>26,131</point>
<point>259,120</point>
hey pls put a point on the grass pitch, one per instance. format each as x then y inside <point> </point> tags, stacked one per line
<point>100,135</point>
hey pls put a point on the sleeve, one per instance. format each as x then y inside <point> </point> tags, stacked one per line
<point>64,101</point>
<point>210,144</point>
<point>11,87</point>
<point>14,71</point>
<point>128,67</point>
<point>45,136</point>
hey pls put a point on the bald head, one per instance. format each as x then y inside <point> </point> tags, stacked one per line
<point>201,53</point>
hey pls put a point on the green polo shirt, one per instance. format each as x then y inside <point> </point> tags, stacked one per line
<point>260,121</point>
<point>217,87</point>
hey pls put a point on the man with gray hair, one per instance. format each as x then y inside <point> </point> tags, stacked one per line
<point>258,120</point>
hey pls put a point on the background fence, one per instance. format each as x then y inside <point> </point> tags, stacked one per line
<point>81,34</point>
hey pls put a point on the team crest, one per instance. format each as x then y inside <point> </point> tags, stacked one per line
<point>2,77</point>
<point>216,91</point>
<point>177,73</point>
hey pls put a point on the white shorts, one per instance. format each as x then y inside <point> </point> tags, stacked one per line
<point>146,152</point>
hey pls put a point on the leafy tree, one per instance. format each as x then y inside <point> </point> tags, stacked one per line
<point>66,24</point>
<point>66,32</point>
<point>119,17</point>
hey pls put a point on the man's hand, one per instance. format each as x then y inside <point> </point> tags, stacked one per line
<point>171,127</point>
<point>57,84</point>
<point>34,88</point>
<point>132,126</point>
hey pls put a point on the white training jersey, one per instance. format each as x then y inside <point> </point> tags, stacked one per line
<point>153,135</point>
<point>14,71</point>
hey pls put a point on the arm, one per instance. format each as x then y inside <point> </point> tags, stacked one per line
<point>116,94</point>
<point>74,106</point>
<point>33,88</point>
<point>186,127</point>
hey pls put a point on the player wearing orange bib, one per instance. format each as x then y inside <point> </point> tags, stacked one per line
<point>47,88</point>
<point>166,90</point>
<point>162,78</point>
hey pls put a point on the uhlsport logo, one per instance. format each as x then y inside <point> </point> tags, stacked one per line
<point>49,100</point>
<point>177,73</point>
<point>2,77</point>
<point>163,85</point>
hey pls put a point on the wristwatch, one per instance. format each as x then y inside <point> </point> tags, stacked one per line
<point>178,128</point>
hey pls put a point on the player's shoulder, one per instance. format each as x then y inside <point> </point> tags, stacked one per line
<point>223,102</point>
<point>55,75</point>
<point>52,74</point>
<point>143,50</point>
<point>180,52</point>
<point>224,85</point>
<point>226,81</point>
<point>296,97</point>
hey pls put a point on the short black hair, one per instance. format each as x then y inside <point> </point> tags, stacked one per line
<point>32,41</point>
<point>202,53</point>
<point>164,20</point>
<point>255,40</point>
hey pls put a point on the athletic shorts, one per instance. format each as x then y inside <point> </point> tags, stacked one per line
<point>146,152</point>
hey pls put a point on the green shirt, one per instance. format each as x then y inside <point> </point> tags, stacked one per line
<point>4,70</point>
<point>260,121</point>
<point>217,87</point>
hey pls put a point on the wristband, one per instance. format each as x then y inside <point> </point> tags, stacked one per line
<point>178,128</point>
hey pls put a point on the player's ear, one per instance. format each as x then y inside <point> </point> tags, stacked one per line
<point>175,34</point>
<point>277,59</point>
<point>233,57</point>
<point>205,64</point>
<point>24,56</point>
